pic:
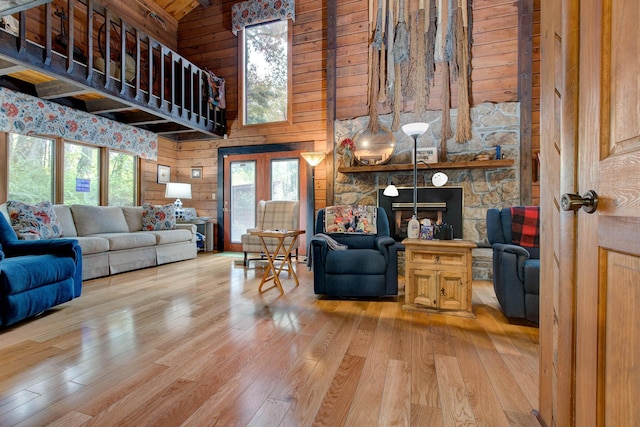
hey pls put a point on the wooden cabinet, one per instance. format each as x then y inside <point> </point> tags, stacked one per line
<point>438,275</point>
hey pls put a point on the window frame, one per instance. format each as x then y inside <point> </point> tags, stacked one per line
<point>58,172</point>
<point>241,80</point>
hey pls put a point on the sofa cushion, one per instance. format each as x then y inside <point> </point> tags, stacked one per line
<point>99,219</point>
<point>165,237</point>
<point>65,217</point>
<point>21,273</point>
<point>92,244</point>
<point>133,215</point>
<point>120,241</point>
<point>156,217</point>
<point>39,219</point>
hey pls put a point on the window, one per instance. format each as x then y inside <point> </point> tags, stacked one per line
<point>284,179</point>
<point>81,174</point>
<point>31,161</point>
<point>41,168</point>
<point>266,72</point>
<point>122,179</point>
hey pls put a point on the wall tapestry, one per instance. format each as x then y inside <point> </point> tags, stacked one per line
<point>253,12</point>
<point>27,115</point>
<point>408,40</point>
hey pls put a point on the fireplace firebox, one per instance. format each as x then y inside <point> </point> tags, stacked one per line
<point>442,205</point>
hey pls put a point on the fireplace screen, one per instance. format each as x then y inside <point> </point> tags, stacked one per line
<point>441,205</point>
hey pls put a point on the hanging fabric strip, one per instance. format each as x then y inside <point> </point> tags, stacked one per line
<point>253,12</point>
<point>441,30</point>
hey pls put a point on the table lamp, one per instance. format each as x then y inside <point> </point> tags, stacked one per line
<point>178,190</point>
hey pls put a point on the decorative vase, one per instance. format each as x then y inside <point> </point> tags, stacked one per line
<point>348,159</point>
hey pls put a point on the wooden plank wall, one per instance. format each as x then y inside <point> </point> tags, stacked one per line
<point>205,38</point>
<point>494,76</point>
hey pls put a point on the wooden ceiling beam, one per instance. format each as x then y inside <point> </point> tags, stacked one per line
<point>141,118</point>
<point>105,105</point>
<point>58,89</point>
<point>7,67</point>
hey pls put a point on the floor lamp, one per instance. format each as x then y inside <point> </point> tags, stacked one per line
<point>313,158</point>
<point>415,130</point>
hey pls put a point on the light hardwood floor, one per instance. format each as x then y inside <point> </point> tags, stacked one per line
<point>194,343</point>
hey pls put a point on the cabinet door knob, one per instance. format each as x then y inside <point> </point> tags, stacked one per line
<point>443,292</point>
<point>437,259</point>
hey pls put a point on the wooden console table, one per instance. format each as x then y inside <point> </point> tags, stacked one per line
<point>438,276</point>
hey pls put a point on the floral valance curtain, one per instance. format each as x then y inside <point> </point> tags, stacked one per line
<point>252,12</point>
<point>27,115</point>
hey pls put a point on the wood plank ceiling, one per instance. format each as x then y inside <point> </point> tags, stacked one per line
<point>179,8</point>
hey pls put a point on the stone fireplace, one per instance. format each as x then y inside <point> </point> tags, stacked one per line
<point>482,188</point>
<point>441,205</point>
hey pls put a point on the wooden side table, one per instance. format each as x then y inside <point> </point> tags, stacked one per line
<point>283,251</point>
<point>438,276</point>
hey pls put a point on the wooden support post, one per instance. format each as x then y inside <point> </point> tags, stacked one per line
<point>525,87</point>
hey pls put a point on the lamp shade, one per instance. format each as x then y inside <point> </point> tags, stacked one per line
<point>415,129</point>
<point>439,179</point>
<point>391,191</point>
<point>313,157</point>
<point>178,190</point>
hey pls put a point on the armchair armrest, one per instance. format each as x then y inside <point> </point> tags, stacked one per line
<point>520,254</point>
<point>383,243</point>
<point>64,247</point>
<point>514,249</point>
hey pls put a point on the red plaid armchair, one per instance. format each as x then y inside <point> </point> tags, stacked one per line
<point>514,236</point>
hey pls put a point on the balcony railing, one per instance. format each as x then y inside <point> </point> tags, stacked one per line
<point>88,48</point>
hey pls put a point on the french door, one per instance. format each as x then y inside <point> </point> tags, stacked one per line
<point>249,178</point>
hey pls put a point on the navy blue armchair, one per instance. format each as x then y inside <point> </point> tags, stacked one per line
<point>36,275</point>
<point>516,269</point>
<point>368,268</point>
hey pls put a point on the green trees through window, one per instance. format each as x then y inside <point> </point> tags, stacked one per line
<point>266,72</point>
<point>30,168</point>
<point>33,174</point>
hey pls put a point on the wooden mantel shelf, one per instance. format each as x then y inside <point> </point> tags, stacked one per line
<point>474,164</point>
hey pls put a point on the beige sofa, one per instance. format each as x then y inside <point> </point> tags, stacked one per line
<point>112,239</point>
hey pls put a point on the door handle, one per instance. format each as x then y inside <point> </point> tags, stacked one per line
<point>573,202</point>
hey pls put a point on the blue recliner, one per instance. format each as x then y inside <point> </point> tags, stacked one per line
<point>368,268</point>
<point>36,275</point>
<point>516,269</point>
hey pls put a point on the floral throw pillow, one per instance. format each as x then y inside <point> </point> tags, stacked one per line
<point>358,219</point>
<point>34,220</point>
<point>156,217</point>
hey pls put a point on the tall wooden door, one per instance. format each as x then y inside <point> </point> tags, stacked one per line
<point>608,256</point>
<point>605,283</point>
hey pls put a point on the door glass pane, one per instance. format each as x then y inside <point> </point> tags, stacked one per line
<point>30,168</point>
<point>122,179</point>
<point>81,174</point>
<point>284,179</point>
<point>243,198</point>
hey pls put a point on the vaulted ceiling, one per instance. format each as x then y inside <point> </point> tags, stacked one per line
<point>179,8</point>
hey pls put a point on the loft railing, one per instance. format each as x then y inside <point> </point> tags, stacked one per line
<point>98,49</point>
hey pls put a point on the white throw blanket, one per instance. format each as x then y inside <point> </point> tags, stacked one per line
<point>331,243</point>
